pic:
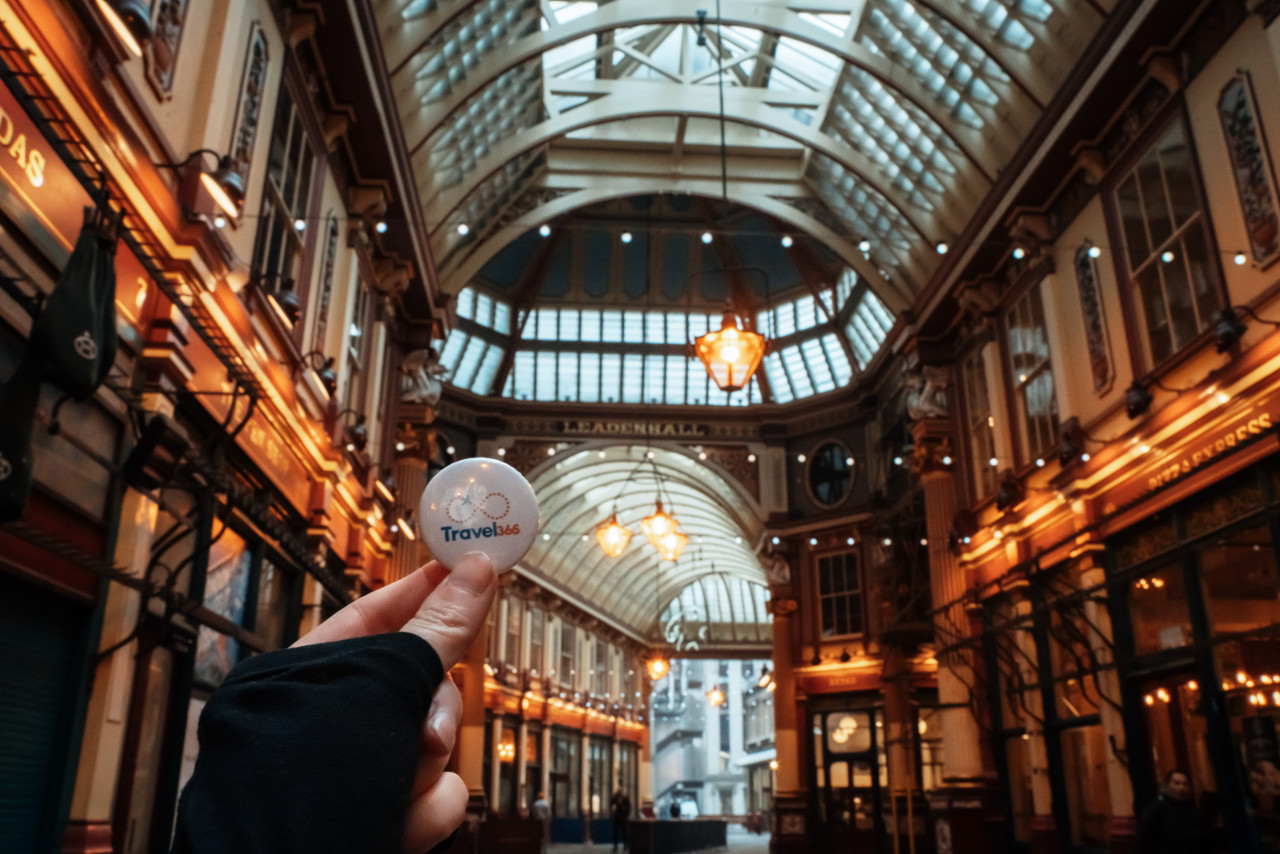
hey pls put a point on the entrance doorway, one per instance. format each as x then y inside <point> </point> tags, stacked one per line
<point>850,776</point>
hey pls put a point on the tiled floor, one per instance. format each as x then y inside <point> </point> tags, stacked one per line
<point>740,842</point>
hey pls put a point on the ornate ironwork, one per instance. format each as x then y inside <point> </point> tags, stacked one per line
<point>1251,168</point>
<point>1095,320</point>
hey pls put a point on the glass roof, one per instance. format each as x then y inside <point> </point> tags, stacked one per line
<point>876,127</point>
<point>593,355</point>
<point>717,583</point>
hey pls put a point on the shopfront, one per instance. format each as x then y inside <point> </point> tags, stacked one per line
<point>1197,593</point>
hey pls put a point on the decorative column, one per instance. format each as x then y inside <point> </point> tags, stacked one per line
<point>495,763</point>
<point>544,785</point>
<point>470,749</point>
<point>410,473</point>
<point>1123,826</point>
<point>790,798</point>
<point>899,740</point>
<point>89,825</point>
<point>1043,826</point>
<point>522,766</point>
<point>645,770</point>
<point>961,755</point>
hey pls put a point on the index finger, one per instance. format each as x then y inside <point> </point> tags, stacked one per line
<point>384,610</point>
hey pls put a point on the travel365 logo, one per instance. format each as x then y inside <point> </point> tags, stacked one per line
<point>477,504</point>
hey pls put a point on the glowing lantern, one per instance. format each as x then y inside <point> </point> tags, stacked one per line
<point>612,537</point>
<point>731,355</point>
<point>658,667</point>
<point>672,545</point>
<point>715,696</point>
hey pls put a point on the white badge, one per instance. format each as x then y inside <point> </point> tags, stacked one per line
<point>478,505</point>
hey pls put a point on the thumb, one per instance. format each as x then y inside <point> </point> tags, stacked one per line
<point>452,616</point>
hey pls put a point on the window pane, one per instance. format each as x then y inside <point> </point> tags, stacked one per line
<point>633,327</point>
<point>1135,233</point>
<point>611,327</point>
<point>569,325</point>
<point>1175,161</point>
<point>567,388</point>
<point>1155,313</point>
<point>488,368</point>
<point>677,368</point>
<point>589,329</point>
<point>545,388</point>
<point>654,374</point>
<point>1177,289</point>
<point>610,377</point>
<point>522,370</point>
<point>589,382</point>
<point>1158,602</point>
<point>1242,589</point>
<point>632,378</point>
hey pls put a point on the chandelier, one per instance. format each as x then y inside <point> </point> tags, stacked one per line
<point>660,528</point>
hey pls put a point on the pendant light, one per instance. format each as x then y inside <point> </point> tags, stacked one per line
<point>612,537</point>
<point>732,354</point>
<point>658,667</point>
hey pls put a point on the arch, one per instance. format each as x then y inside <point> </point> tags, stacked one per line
<point>637,585</point>
<point>895,297</point>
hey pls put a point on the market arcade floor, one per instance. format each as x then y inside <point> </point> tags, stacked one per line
<point>740,842</point>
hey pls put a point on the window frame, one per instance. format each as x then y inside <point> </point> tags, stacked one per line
<point>978,465</point>
<point>1134,322</point>
<point>1014,407</point>
<point>821,597</point>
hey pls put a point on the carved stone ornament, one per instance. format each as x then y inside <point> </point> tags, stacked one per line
<point>422,377</point>
<point>161,54</point>
<point>1095,320</point>
<point>253,84</point>
<point>1255,181</point>
<point>927,393</point>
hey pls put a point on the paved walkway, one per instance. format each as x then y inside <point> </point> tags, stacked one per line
<point>740,842</point>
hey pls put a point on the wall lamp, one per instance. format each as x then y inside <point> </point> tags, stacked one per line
<point>323,366</point>
<point>357,433</point>
<point>131,21</point>
<point>1228,330</point>
<point>1071,444</point>
<point>1010,492</point>
<point>1137,399</point>
<point>284,295</point>
<point>224,183</point>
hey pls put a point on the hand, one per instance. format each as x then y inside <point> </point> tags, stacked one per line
<point>447,610</point>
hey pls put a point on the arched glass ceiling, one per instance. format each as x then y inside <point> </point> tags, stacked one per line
<point>717,609</point>
<point>613,355</point>
<point>577,492</point>
<point>899,114</point>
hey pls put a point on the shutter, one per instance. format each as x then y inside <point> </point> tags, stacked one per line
<point>39,634</point>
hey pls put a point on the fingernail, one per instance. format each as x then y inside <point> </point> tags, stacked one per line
<point>443,732</point>
<point>474,573</point>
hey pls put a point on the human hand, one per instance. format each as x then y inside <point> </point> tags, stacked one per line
<point>447,610</point>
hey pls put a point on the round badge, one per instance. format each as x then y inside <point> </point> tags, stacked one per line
<point>478,505</point>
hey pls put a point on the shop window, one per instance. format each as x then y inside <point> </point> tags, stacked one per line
<point>1242,590</point>
<point>1158,604</point>
<point>929,729</point>
<point>537,634</point>
<point>981,423</point>
<point>850,767</point>
<point>273,605</point>
<point>600,768</point>
<point>566,774</point>
<point>840,594</point>
<point>286,198</point>
<point>1032,373</point>
<point>226,590</point>
<point>1166,251</point>
<point>533,767</point>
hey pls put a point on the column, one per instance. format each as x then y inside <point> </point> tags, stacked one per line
<point>1043,826</point>
<point>584,789</point>
<point>961,755</point>
<point>1123,825</point>
<point>786,738</point>
<point>708,797</point>
<point>523,802</point>
<point>470,749</point>
<point>89,827</point>
<point>644,773</point>
<point>410,473</point>
<point>544,785</point>
<point>495,764</point>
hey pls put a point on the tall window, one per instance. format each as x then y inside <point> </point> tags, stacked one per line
<point>285,198</point>
<point>840,592</point>
<point>1166,248</point>
<point>599,668</point>
<point>537,632</point>
<point>981,422</point>
<point>568,638</point>
<point>512,656</point>
<point>1029,364</point>
<point>357,350</point>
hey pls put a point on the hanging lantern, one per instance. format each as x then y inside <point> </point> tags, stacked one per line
<point>671,545</point>
<point>613,538</point>
<point>659,525</point>
<point>658,667</point>
<point>731,355</point>
<point>715,696</point>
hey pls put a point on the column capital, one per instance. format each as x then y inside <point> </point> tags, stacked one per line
<point>933,450</point>
<point>782,607</point>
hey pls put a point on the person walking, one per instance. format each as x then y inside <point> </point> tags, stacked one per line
<point>542,812</point>
<point>620,813</point>
<point>1171,824</point>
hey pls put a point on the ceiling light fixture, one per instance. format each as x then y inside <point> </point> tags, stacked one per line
<point>224,184</point>
<point>131,21</point>
<point>612,536</point>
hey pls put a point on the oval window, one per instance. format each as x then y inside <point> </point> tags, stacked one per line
<point>830,474</point>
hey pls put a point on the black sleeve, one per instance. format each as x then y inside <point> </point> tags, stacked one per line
<point>312,749</point>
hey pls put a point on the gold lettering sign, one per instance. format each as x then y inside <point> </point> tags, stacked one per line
<point>631,428</point>
<point>30,159</point>
<point>1201,454</point>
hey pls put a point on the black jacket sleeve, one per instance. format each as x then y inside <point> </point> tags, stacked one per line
<point>311,749</point>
